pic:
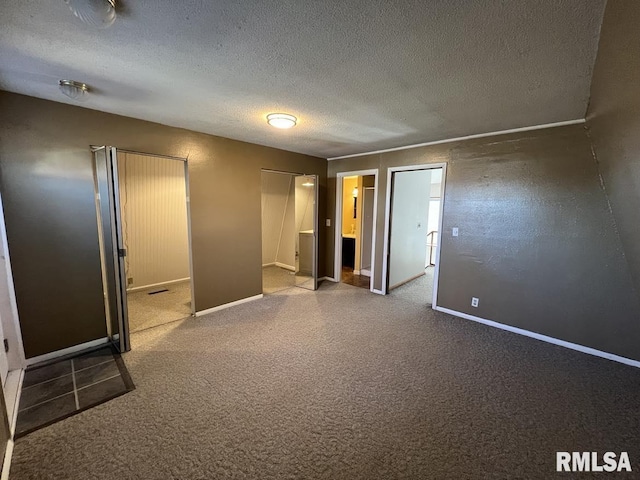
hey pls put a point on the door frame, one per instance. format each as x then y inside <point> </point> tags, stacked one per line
<point>337,226</point>
<point>15,358</point>
<point>123,338</point>
<point>188,207</point>
<point>387,224</point>
<point>316,216</point>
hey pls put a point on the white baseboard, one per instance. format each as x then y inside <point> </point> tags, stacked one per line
<point>65,351</point>
<point>268,264</point>
<point>285,266</point>
<point>6,465</point>
<point>543,338</point>
<point>161,284</point>
<point>379,292</point>
<point>12,390</point>
<point>228,305</point>
<point>356,272</point>
<point>328,279</point>
<point>365,271</point>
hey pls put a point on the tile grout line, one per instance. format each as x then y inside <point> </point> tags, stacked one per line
<point>44,401</point>
<point>100,381</point>
<point>64,394</point>
<point>56,378</point>
<point>75,390</point>
<point>45,381</point>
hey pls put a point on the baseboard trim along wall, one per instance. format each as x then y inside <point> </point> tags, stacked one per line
<point>379,292</point>
<point>228,305</point>
<point>6,465</point>
<point>161,284</point>
<point>285,266</point>
<point>544,338</point>
<point>65,351</point>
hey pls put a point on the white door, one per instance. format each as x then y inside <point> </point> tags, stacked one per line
<point>112,250</point>
<point>4,363</point>
<point>6,311</point>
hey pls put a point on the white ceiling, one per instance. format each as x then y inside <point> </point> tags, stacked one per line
<point>361,75</point>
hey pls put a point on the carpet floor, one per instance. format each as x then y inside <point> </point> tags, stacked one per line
<point>275,279</point>
<point>342,383</point>
<point>418,291</point>
<point>146,311</point>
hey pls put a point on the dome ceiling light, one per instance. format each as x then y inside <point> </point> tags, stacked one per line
<point>281,120</point>
<point>95,13</point>
<point>74,90</point>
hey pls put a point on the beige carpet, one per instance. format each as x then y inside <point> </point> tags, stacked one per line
<point>419,291</point>
<point>342,384</point>
<point>275,279</point>
<point>146,311</point>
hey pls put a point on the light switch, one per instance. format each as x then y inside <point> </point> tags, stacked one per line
<point>455,231</point>
<point>328,222</point>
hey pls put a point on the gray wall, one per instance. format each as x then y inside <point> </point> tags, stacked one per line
<point>50,213</point>
<point>537,241</point>
<point>614,121</point>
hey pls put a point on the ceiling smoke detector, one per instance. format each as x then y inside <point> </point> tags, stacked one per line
<point>281,120</point>
<point>95,13</point>
<point>74,90</point>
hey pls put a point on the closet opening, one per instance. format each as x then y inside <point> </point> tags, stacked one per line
<point>142,202</point>
<point>289,231</point>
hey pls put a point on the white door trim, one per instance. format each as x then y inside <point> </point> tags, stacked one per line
<point>15,358</point>
<point>337,223</point>
<point>387,223</point>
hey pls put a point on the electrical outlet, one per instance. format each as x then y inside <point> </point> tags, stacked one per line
<point>454,231</point>
<point>130,281</point>
<point>475,301</point>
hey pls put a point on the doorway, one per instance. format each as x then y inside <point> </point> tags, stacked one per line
<point>355,226</point>
<point>12,359</point>
<point>142,203</point>
<point>289,231</point>
<point>413,231</point>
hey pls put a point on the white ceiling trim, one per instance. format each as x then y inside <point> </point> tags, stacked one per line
<point>468,137</point>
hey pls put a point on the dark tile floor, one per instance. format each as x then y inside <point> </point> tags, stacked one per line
<point>350,278</point>
<point>57,390</point>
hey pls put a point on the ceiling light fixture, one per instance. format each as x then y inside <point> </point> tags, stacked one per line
<point>74,90</point>
<point>96,13</point>
<point>281,120</point>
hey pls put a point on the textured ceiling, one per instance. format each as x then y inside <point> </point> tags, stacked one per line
<point>361,75</point>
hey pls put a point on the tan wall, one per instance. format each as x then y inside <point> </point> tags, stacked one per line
<point>47,185</point>
<point>153,201</point>
<point>614,121</point>
<point>531,212</point>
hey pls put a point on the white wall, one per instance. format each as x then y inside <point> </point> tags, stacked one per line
<point>278,219</point>
<point>410,209</point>
<point>154,212</point>
<point>287,249</point>
<point>367,199</point>
<point>433,223</point>
<point>304,204</point>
